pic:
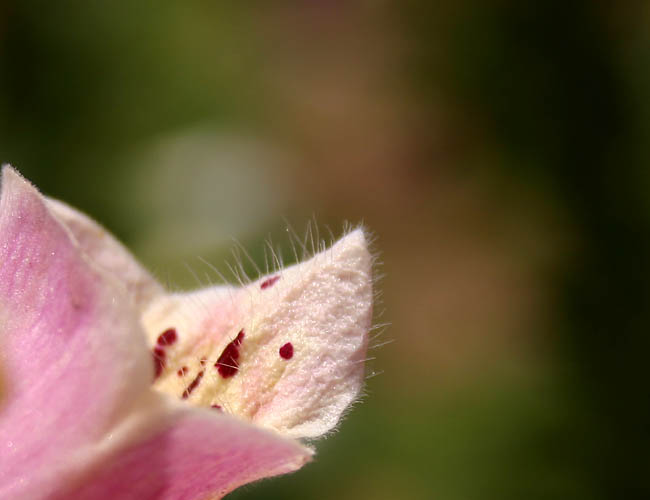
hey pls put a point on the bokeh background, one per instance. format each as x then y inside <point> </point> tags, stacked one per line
<point>498,150</point>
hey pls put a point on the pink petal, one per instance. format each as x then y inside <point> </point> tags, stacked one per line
<point>77,416</point>
<point>285,352</point>
<point>199,455</point>
<point>107,253</point>
<point>70,364</point>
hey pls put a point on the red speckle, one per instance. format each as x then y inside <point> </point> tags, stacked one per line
<point>158,361</point>
<point>193,385</point>
<point>216,407</point>
<point>286,351</point>
<point>168,337</point>
<point>227,363</point>
<point>182,371</point>
<point>269,282</point>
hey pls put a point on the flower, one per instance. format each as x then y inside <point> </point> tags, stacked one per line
<point>239,374</point>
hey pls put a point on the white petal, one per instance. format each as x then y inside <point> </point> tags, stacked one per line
<point>322,307</point>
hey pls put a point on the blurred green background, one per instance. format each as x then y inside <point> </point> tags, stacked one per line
<point>498,150</point>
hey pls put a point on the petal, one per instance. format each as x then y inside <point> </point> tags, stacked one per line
<point>285,352</point>
<point>198,454</point>
<point>108,253</point>
<point>70,364</point>
<point>77,416</point>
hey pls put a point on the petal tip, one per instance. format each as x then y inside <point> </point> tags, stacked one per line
<point>354,249</point>
<point>9,174</point>
<point>356,237</point>
<point>11,179</point>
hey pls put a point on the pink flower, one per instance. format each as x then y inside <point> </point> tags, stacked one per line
<point>239,374</point>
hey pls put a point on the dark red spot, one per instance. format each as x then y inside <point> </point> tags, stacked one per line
<point>168,337</point>
<point>158,361</point>
<point>182,371</point>
<point>286,351</point>
<point>216,407</point>
<point>193,385</point>
<point>202,361</point>
<point>227,363</point>
<point>269,282</point>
